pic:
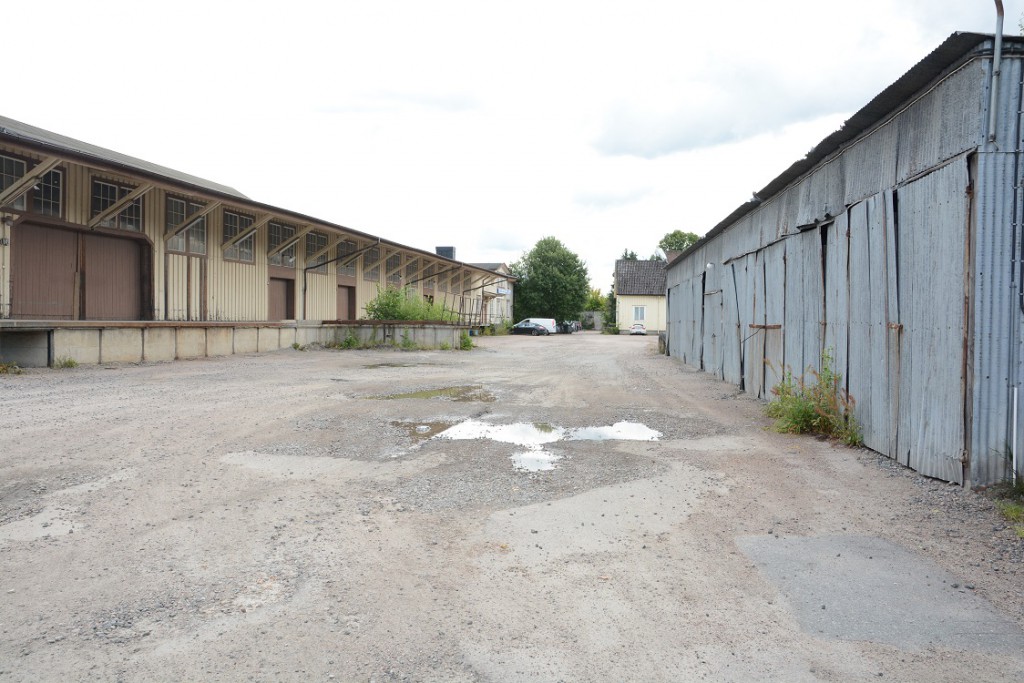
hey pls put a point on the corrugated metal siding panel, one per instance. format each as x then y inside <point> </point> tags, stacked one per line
<point>997,320</point>
<point>237,291</point>
<point>932,241</point>
<point>945,122</point>
<point>321,293</point>
<point>837,293</point>
<point>871,164</point>
<point>775,306</point>
<point>868,373</point>
<point>804,298</point>
<point>176,295</point>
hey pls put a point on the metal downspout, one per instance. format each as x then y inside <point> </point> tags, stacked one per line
<point>997,54</point>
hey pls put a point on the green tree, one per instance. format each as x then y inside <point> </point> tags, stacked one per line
<point>628,255</point>
<point>677,240</point>
<point>609,307</point>
<point>595,301</point>
<point>553,282</point>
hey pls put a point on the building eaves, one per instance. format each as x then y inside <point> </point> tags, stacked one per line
<point>956,49</point>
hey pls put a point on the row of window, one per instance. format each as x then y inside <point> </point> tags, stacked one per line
<point>46,198</point>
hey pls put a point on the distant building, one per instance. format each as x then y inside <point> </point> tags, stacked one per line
<point>894,246</point>
<point>640,294</point>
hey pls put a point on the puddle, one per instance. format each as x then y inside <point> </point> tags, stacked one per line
<point>469,393</point>
<point>422,430</point>
<point>535,436</point>
<point>535,461</point>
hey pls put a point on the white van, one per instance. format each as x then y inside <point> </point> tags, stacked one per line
<point>548,323</point>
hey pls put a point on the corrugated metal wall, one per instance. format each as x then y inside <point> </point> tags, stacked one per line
<point>875,257</point>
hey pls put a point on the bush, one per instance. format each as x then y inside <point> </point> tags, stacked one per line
<point>610,329</point>
<point>465,342</point>
<point>819,407</point>
<point>445,346</point>
<point>392,303</point>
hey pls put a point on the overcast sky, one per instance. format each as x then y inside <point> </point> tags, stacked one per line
<point>482,125</point>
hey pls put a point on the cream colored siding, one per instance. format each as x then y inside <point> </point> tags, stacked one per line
<point>654,311</point>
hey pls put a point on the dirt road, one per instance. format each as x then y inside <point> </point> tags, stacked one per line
<point>293,516</point>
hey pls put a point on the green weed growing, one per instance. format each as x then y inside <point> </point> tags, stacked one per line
<point>821,406</point>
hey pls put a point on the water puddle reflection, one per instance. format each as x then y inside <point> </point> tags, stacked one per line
<point>534,436</point>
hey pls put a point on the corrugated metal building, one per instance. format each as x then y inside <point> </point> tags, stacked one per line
<point>88,234</point>
<point>895,246</point>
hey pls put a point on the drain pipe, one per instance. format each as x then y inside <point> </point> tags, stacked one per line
<point>997,54</point>
<point>1016,471</point>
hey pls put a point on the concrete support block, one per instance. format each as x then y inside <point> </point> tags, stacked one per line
<point>219,341</point>
<point>82,346</point>
<point>158,344</point>
<point>191,342</point>
<point>120,345</point>
<point>269,339</point>
<point>246,339</point>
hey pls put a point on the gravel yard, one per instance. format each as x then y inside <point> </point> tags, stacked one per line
<point>302,515</point>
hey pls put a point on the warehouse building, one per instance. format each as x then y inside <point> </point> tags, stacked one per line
<point>895,247</point>
<point>105,257</point>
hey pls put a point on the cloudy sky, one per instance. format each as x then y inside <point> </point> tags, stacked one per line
<point>485,125</point>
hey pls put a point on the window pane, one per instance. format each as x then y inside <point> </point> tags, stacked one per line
<point>10,171</point>
<point>346,267</point>
<point>46,199</point>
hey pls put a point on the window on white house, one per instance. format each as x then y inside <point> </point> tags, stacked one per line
<point>638,313</point>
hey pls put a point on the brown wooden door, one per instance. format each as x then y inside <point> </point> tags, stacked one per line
<point>44,273</point>
<point>346,302</point>
<point>281,299</point>
<point>113,278</point>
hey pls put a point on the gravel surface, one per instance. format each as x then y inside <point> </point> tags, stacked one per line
<point>280,517</point>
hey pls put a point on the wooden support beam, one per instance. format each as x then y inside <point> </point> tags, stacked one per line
<point>300,232</point>
<point>187,223</point>
<point>31,177</point>
<point>401,265</point>
<point>120,205</point>
<point>251,230</point>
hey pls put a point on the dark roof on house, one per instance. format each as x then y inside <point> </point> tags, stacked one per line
<point>639,278</point>
<point>62,143</point>
<point>487,266</point>
<point>953,51</point>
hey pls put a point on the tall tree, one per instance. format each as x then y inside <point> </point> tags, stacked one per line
<point>628,255</point>
<point>553,282</point>
<point>677,240</point>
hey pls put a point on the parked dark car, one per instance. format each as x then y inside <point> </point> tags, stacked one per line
<point>526,327</point>
<point>566,327</point>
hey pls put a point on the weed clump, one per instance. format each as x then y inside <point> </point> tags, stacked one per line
<point>465,342</point>
<point>821,406</point>
<point>10,368</point>
<point>63,362</point>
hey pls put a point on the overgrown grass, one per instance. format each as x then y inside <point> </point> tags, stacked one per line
<point>819,406</point>
<point>11,368</point>
<point>64,362</point>
<point>610,329</point>
<point>1010,503</point>
<point>393,303</point>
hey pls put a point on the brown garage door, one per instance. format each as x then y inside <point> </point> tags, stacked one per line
<point>113,272</point>
<point>281,299</point>
<point>68,275</point>
<point>44,273</point>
